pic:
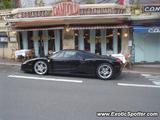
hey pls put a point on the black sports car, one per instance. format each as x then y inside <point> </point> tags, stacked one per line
<point>76,62</point>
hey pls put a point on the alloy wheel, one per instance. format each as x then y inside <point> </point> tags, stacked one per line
<point>40,68</point>
<point>105,71</point>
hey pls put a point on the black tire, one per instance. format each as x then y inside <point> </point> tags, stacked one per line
<point>105,74</point>
<point>40,67</point>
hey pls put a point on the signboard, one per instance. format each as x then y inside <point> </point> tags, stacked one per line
<point>154,30</point>
<point>95,11</point>
<point>68,40</point>
<point>3,39</point>
<point>13,39</point>
<point>65,9</point>
<point>147,29</point>
<point>151,8</point>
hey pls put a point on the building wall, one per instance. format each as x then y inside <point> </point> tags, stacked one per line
<point>147,47</point>
<point>8,50</point>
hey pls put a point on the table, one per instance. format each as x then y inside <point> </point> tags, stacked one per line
<point>22,52</point>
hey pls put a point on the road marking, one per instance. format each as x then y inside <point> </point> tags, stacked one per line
<point>137,85</point>
<point>156,82</point>
<point>47,79</point>
<point>146,75</point>
<point>155,79</point>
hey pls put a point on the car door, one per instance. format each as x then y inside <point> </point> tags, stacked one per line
<point>87,63</point>
<point>66,62</point>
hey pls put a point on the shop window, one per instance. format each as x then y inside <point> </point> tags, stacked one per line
<point>119,41</point>
<point>30,41</point>
<point>51,42</point>
<point>109,38</point>
<point>41,44</point>
<point>20,40</point>
<point>61,34</point>
<point>98,42</point>
<point>76,33</point>
<point>86,40</point>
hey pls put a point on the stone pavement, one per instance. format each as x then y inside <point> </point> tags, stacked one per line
<point>144,68</point>
<point>9,62</point>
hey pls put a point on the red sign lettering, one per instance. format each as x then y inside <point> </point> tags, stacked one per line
<point>66,9</point>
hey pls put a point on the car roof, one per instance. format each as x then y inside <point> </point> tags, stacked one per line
<point>72,50</point>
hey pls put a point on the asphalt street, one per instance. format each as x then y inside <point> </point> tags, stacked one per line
<point>26,96</point>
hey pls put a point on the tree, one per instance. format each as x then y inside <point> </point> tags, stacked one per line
<point>5,4</point>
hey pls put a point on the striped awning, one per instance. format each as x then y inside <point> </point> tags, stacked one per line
<point>98,27</point>
<point>38,29</point>
<point>86,27</point>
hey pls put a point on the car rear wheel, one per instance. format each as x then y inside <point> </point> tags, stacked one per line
<point>104,71</point>
<point>40,68</point>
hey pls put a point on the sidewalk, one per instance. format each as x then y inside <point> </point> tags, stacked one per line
<point>9,62</point>
<point>144,68</point>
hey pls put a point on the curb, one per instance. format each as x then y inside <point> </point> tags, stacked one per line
<point>141,72</point>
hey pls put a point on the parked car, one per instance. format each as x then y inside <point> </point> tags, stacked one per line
<point>75,62</point>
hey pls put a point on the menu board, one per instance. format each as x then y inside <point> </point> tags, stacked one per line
<point>68,40</point>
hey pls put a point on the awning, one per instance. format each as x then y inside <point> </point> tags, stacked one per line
<point>37,29</point>
<point>76,27</point>
<point>98,27</point>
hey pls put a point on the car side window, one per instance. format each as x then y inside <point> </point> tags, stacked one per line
<point>69,54</point>
<point>80,56</point>
<point>64,54</point>
<point>86,56</point>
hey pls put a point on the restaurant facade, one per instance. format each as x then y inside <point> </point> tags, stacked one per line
<point>99,28</point>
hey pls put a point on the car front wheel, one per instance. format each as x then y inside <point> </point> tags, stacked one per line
<point>104,71</point>
<point>40,68</point>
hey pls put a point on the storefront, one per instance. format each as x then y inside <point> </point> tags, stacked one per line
<point>98,28</point>
<point>147,43</point>
<point>146,34</point>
